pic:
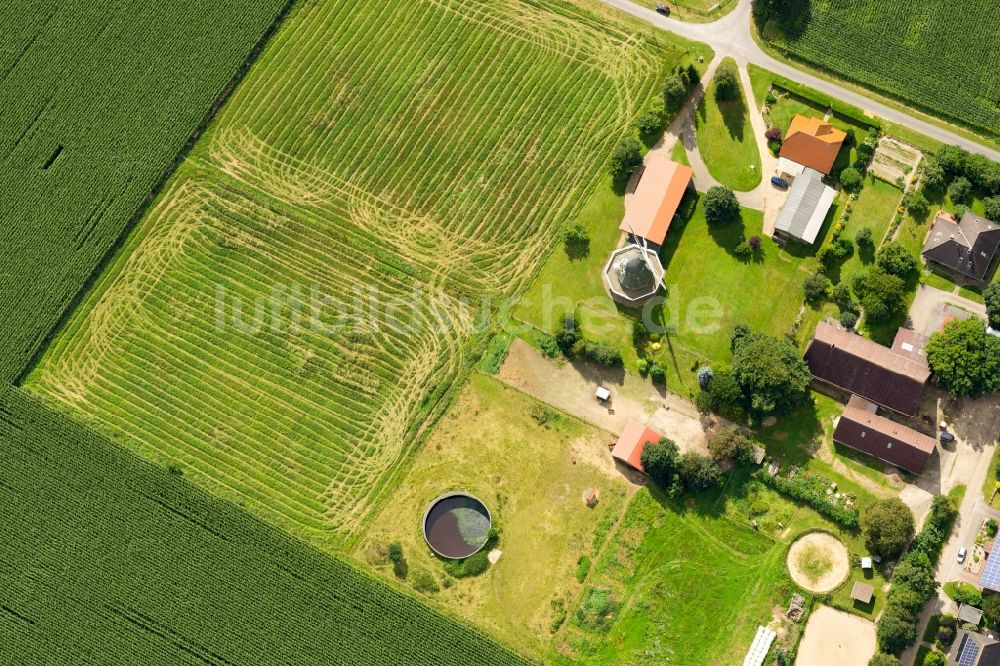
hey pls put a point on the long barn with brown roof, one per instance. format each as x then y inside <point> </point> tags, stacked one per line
<point>860,428</point>
<point>858,365</point>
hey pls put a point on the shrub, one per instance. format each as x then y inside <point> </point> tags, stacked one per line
<point>848,319</point>
<point>693,77</point>
<point>568,335</point>
<point>945,635</point>
<point>843,247</point>
<point>934,658</point>
<point>770,373</point>
<point>896,259</point>
<point>991,296</point>
<point>424,582</point>
<point>864,237</point>
<point>582,568</point>
<point>575,239</point>
<point>991,609</point>
<point>991,208</point>
<point>697,472</point>
<point>625,158</point>
<point>773,134</point>
<point>604,354</point>
<point>755,243</point>
<point>991,528</point>
<point>916,204</point>
<point>965,359</point>
<point>727,87</point>
<point>743,250</point>
<point>472,565</point>
<point>660,460</point>
<point>960,211</point>
<point>658,373</point>
<point>883,659</point>
<point>960,190</point>
<point>642,365</point>
<point>841,295</point>
<point>730,444</point>
<point>816,288</point>
<point>558,614</point>
<point>651,120</point>
<point>882,294</point>
<point>896,630</point>
<point>721,205</point>
<point>704,375</point>
<point>597,611</point>
<point>395,551</point>
<point>548,345</point>
<point>934,176</point>
<point>967,594</point>
<point>888,526</point>
<point>674,93</point>
<point>850,178</point>
<point>769,100</point>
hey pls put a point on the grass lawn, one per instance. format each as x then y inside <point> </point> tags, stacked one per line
<point>678,575</point>
<point>990,482</point>
<point>702,276</point>
<point>874,208</point>
<point>725,138</point>
<point>679,154</point>
<point>531,466</point>
<point>701,271</point>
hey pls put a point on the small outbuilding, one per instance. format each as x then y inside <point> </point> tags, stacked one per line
<point>651,208</point>
<point>805,210</point>
<point>633,439</point>
<point>862,592</point>
<point>970,614</point>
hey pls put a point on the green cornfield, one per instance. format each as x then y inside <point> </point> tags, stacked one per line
<point>106,559</point>
<point>99,98</point>
<point>939,56</point>
<point>377,155</point>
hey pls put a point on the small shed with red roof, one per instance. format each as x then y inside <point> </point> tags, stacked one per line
<point>634,438</point>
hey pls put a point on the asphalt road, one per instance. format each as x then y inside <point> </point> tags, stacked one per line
<point>730,36</point>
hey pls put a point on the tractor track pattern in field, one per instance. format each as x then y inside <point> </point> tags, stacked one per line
<point>346,162</point>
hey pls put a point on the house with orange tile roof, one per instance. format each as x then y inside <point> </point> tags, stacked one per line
<point>633,439</point>
<point>651,208</point>
<point>810,143</point>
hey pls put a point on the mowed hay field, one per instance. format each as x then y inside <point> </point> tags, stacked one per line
<point>937,55</point>
<point>374,151</point>
<point>99,99</point>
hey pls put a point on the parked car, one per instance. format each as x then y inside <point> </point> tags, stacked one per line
<point>947,437</point>
<point>662,9</point>
<point>778,181</point>
<point>961,554</point>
